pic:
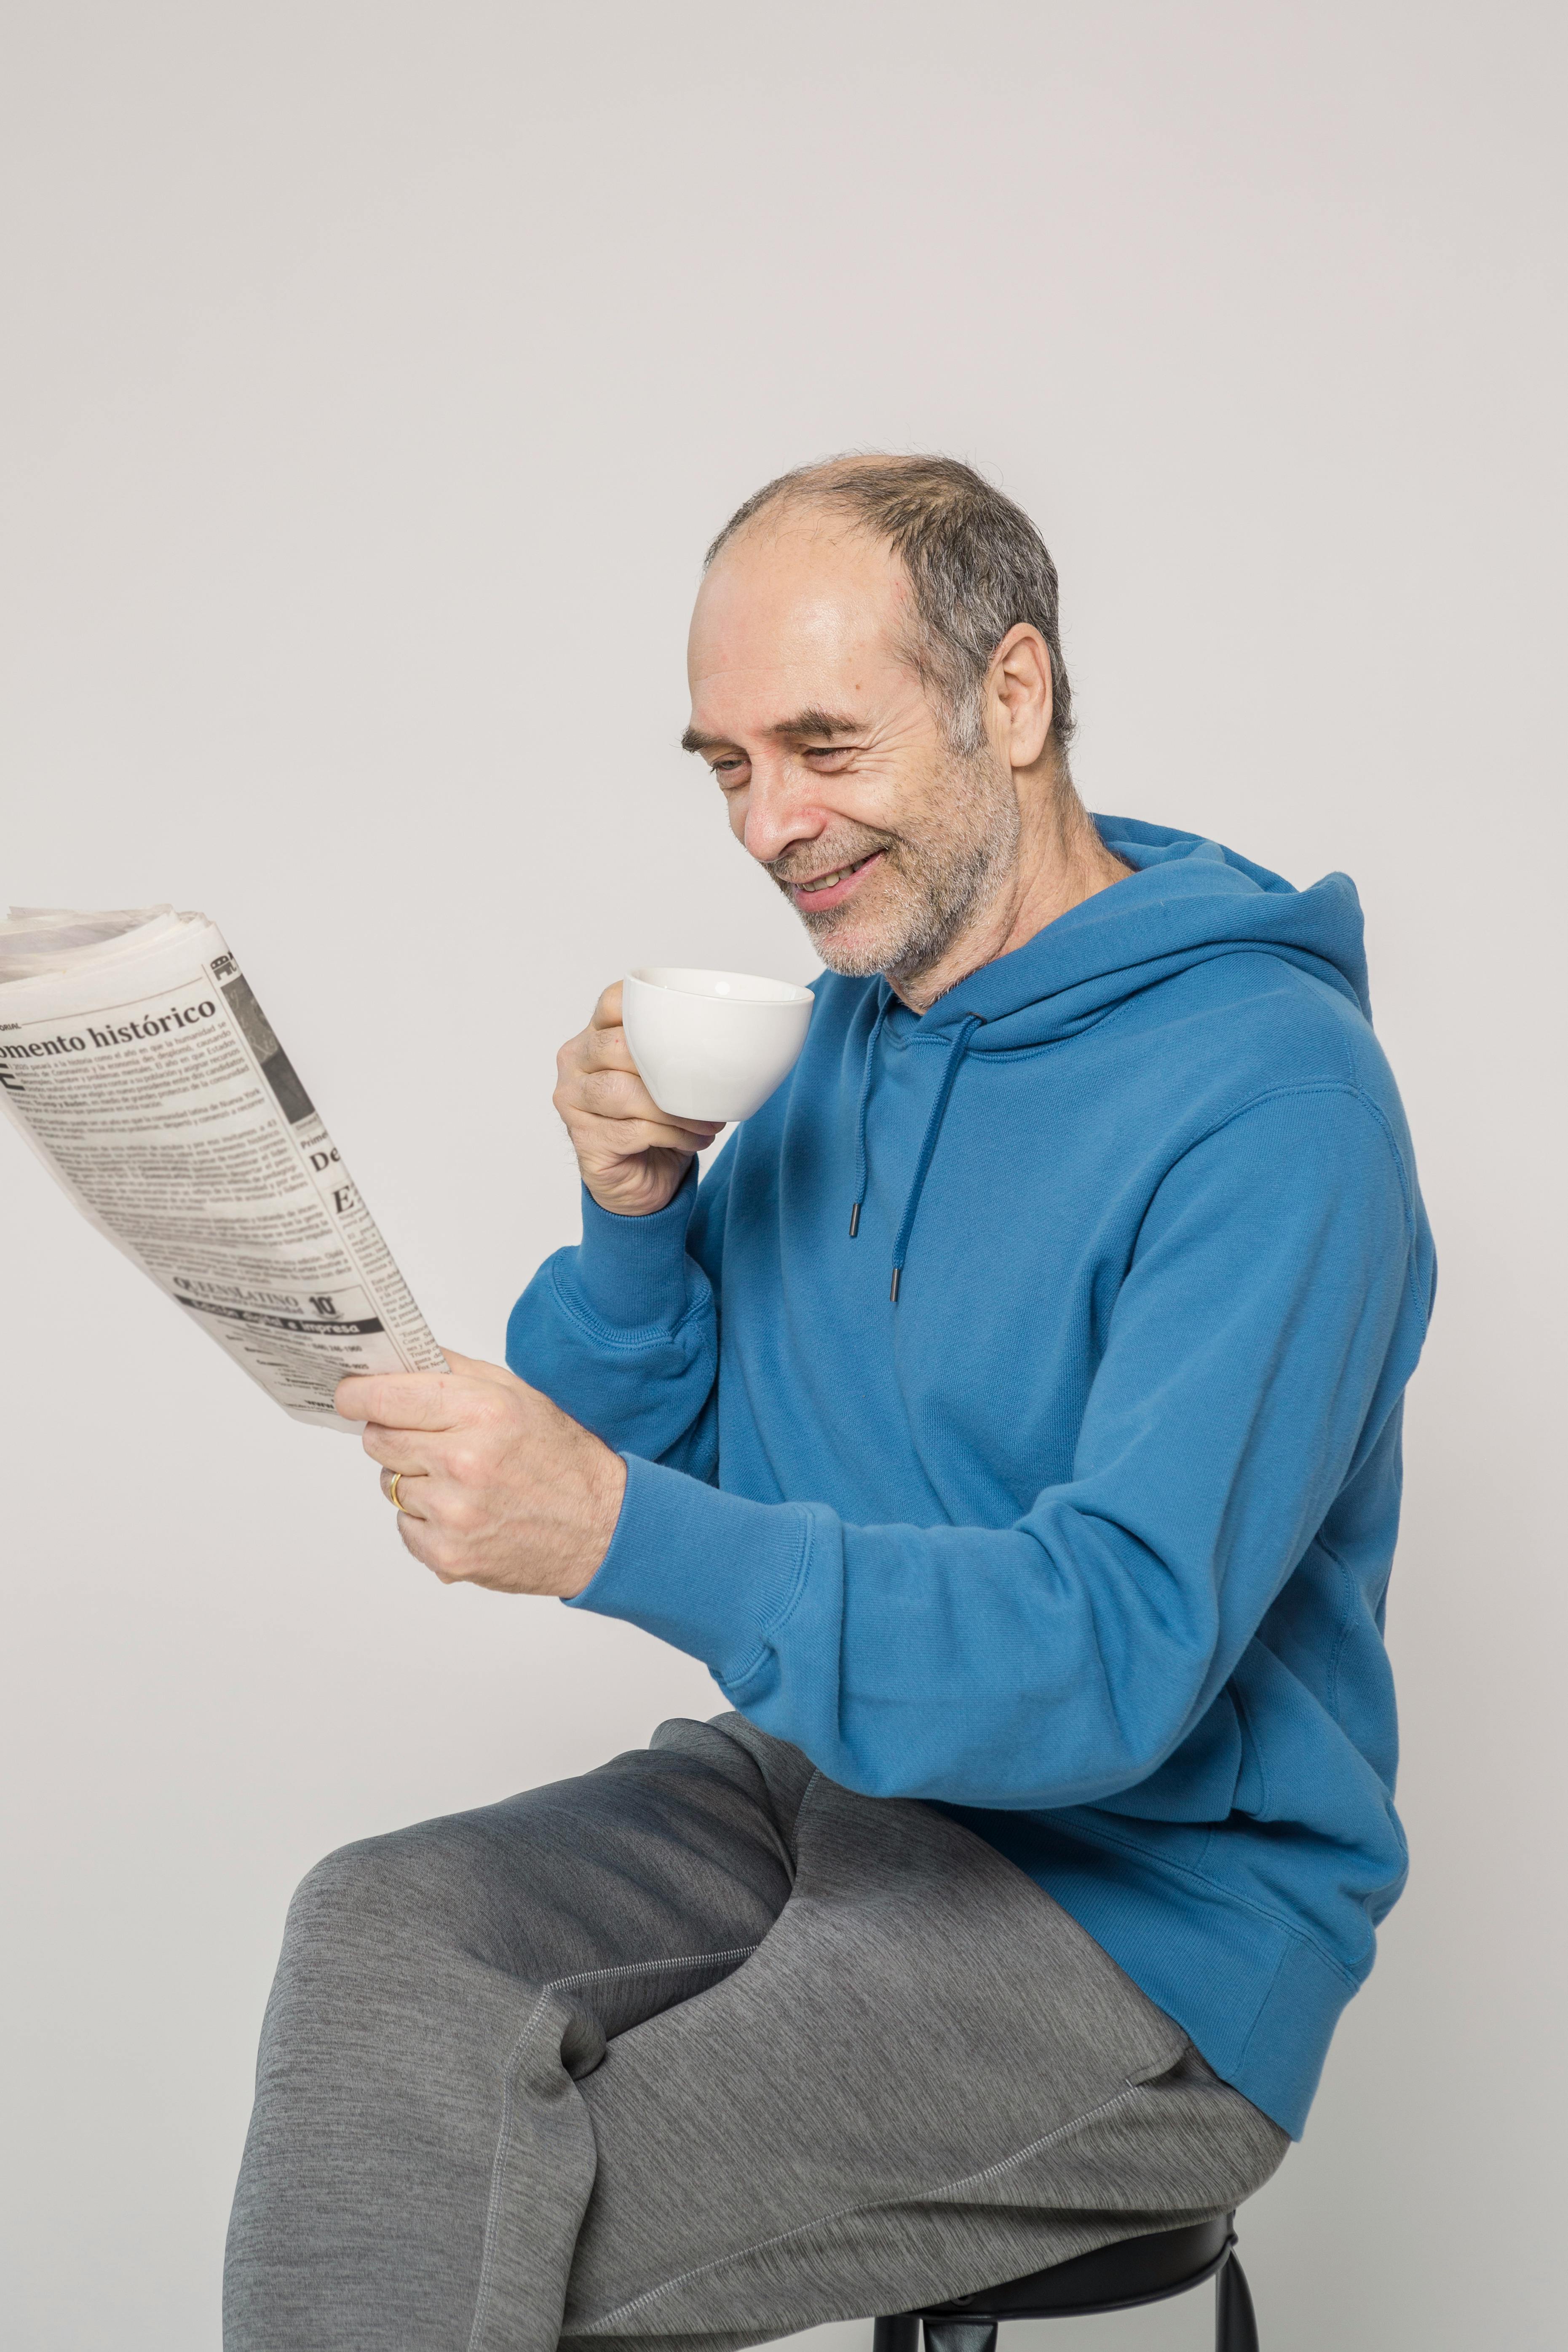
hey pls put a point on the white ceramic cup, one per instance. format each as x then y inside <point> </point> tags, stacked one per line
<point>713,1045</point>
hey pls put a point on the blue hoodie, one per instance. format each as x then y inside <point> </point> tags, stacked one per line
<point>1085,1533</point>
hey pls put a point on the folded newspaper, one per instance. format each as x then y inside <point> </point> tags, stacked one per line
<point>139,1065</point>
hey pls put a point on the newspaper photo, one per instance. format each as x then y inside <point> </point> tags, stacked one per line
<point>137,1062</point>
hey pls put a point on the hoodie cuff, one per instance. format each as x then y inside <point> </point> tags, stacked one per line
<point>708,1573</point>
<point>631,1271</point>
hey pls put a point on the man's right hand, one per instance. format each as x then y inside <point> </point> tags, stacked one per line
<point>631,1154</point>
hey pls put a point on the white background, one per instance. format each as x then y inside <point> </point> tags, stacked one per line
<point>376,374</point>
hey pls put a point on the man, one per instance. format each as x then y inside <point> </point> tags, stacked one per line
<point>1010,1420</point>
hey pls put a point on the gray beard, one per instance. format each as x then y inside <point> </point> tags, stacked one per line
<point>944,882</point>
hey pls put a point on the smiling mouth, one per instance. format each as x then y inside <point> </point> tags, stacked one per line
<point>823,882</point>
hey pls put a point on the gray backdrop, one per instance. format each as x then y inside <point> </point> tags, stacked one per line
<point>376,374</point>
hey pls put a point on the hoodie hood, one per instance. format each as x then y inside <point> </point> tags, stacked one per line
<point>1187,900</point>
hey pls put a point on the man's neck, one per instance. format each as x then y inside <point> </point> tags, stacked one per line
<point>1061,861</point>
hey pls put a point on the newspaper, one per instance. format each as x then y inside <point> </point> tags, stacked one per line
<point>137,1062</point>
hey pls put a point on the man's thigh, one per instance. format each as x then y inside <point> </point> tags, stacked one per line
<point>926,2077</point>
<point>675,1851</point>
<point>436,1983</point>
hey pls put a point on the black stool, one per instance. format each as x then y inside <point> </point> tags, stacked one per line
<point>1113,2278</point>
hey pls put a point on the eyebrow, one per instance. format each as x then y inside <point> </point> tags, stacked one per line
<point>803,723</point>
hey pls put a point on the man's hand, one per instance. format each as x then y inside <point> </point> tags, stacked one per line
<point>498,1486</point>
<point>631,1154</point>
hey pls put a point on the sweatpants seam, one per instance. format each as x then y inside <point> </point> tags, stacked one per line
<point>847,2213</point>
<point>646,1967</point>
<point>807,1794</point>
<point>505,2130</point>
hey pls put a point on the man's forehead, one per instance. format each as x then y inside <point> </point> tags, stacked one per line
<point>794,624</point>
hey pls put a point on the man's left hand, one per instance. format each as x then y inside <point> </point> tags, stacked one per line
<point>498,1485</point>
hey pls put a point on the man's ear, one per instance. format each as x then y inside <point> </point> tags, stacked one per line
<point>1018,687</point>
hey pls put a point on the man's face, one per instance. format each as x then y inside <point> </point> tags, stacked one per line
<point>837,769</point>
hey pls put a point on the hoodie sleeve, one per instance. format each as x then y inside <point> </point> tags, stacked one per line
<point>1260,1338</point>
<point>623,1331</point>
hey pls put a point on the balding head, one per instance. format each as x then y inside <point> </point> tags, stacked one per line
<point>975,565</point>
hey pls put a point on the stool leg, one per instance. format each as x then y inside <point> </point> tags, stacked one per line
<point>1234,2325</point>
<point>900,2335</point>
<point>960,2336</point>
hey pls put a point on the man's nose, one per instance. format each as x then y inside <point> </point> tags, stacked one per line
<point>781,809</point>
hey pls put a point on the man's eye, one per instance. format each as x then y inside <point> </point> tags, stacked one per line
<point>729,771</point>
<point>830,755</point>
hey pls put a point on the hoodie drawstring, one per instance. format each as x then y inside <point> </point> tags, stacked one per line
<point>955,1053</point>
<point>958,1047</point>
<point>866,1076</point>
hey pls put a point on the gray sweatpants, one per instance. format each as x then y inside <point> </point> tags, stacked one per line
<point>695,2051</point>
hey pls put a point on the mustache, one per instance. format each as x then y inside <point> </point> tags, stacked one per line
<point>827,855</point>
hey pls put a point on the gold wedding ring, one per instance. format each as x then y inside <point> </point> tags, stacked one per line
<point>392,1493</point>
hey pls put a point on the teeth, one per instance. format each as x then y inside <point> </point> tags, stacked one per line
<point>827,881</point>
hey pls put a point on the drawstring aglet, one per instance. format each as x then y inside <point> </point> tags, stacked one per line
<point>855,1220</point>
<point>893,1293</point>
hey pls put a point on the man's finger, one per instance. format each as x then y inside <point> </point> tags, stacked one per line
<point>615,1093</point>
<point>420,1540</point>
<point>626,1139</point>
<point>398,1449</point>
<point>409,1486</point>
<point>621,1096</point>
<point>400,1400</point>
<point>607,1012</point>
<point>606,1049</point>
<point>636,1130</point>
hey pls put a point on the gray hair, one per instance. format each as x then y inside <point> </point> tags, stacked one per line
<point>976,567</point>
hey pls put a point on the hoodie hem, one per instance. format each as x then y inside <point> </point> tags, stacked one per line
<point>1261,2008</point>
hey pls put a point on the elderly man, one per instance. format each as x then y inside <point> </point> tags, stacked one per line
<point>1010,1421</point>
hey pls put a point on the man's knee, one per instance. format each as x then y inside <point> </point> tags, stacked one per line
<point>469,1888</point>
<point>380,1896</point>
